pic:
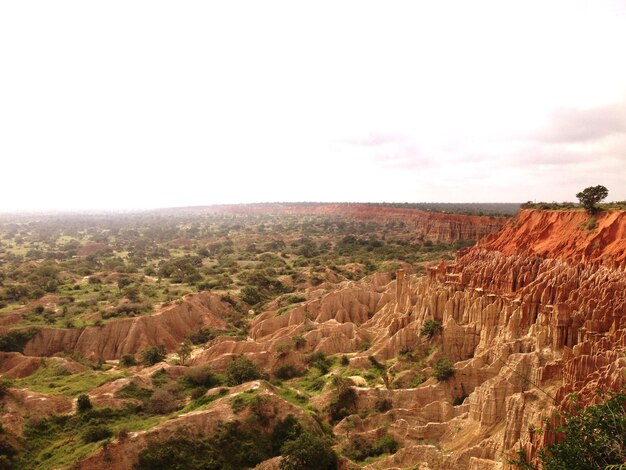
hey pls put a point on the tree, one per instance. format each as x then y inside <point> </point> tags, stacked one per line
<point>308,452</point>
<point>153,355</point>
<point>241,370</point>
<point>83,403</point>
<point>593,437</point>
<point>184,351</point>
<point>592,195</point>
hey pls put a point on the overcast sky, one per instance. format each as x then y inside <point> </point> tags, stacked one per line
<point>141,104</point>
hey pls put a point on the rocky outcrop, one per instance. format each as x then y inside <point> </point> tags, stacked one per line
<point>565,235</point>
<point>131,335</point>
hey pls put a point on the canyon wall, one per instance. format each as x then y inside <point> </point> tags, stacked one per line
<point>433,226</point>
<point>131,335</point>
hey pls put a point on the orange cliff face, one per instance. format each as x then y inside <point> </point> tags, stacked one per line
<point>434,226</point>
<point>564,235</point>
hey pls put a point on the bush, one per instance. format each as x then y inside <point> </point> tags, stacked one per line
<point>444,369</point>
<point>591,438</point>
<point>286,371</point>
<point>132,390</point>
<point>201,336</point>
<point>308,452</point>
<point>285,430</point>
<point>299,342</point>
<point>83,403</point>
<point>180,452</point>
<point>127,360</point>
<point>343,404</point>
<point>430,328</point>
<point>385,445</point>
<point>4,387</point>
<point>15,340</point>
<point>162,402</point>
<point>383,405</point>
<point>96,433</point>
<point>153,355</point>
<point>241,370</point>
<point>318,359</point>
<point>202,376</point>
<point>360,449</point>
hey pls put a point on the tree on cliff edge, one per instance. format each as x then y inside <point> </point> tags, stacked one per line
<point>592,195</point>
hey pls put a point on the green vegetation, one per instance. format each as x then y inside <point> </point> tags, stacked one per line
<point>343,401</point>
<point>15,340</point>
<point>241,370</point>
<point>55,379</point>
<point>360,449</point>
<point>443,369</point>
<point>83,404</point>
<point>153,355</point>
<point>95,268</point>
<point>589,438</point>
<point>591,196</point>
<point>430,328</point>
<point>238,445</point>
<point>308,452</point>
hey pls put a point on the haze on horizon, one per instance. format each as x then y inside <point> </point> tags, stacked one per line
<point>127,105</point>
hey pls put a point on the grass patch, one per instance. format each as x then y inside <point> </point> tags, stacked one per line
<point>54,379</point>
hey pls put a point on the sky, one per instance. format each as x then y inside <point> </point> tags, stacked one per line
<point>145,104</point>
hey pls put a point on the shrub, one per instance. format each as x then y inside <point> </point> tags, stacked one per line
<point>308,452</point>
<point>385,445</point>
<point>180,452</point>
<point>360,449</point>
<point>202,376</point>
<point>200,336</point>
<point>286,371</point>
<point>153,355</point>
<point>345,361</point>
<point>4,387</point>
<point>131,390</point>
<point>430,328</point>
<point>241,370</point>
<point>444,369</point>
<point>343,404</point>
<point>162,402</point>
<point>83,403</point>
<point>285,430</point>
<point>299,342</point>
<point>250,295</point>
<point>319,360</point>
<point>383,405</point>
<point>96,433</point>
<point>127,360</point>
<point>375,363</point>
